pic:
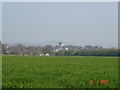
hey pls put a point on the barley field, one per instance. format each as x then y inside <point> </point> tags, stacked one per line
<point>59,72</point>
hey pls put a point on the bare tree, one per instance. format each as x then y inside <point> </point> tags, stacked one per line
<point>47,49</point>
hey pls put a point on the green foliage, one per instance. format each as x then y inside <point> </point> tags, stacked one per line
<point>70,53</point>
<point>59,72</point>
<point>20,49</point>
<point>89,52</point>
<point>60,53</point>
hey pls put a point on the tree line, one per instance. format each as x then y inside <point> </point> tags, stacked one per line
<point>92,52</point>
<point>20,49</point>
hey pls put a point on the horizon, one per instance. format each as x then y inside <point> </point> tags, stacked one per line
<point>53,44</point>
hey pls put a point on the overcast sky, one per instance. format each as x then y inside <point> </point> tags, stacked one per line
<point>76,23</point>
<point>0,21</point>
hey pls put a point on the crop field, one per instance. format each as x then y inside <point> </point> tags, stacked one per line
<point>59,72</point>
<point>0,71</point>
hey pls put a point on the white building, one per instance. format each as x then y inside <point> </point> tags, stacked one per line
<point>47,54</point>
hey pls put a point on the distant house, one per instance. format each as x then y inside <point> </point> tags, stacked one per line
<point>41,54</point>
<point>47,54</point>
<point>59,47</point>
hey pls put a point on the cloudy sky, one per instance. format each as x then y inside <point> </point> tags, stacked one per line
<point>75,23</point>
<point>0,21</point>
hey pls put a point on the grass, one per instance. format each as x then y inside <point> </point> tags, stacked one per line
<point>0,71</point>
<point>59,72</point>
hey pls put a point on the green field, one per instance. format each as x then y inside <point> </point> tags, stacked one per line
<point>58,72</point>
<point>0,71</point>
